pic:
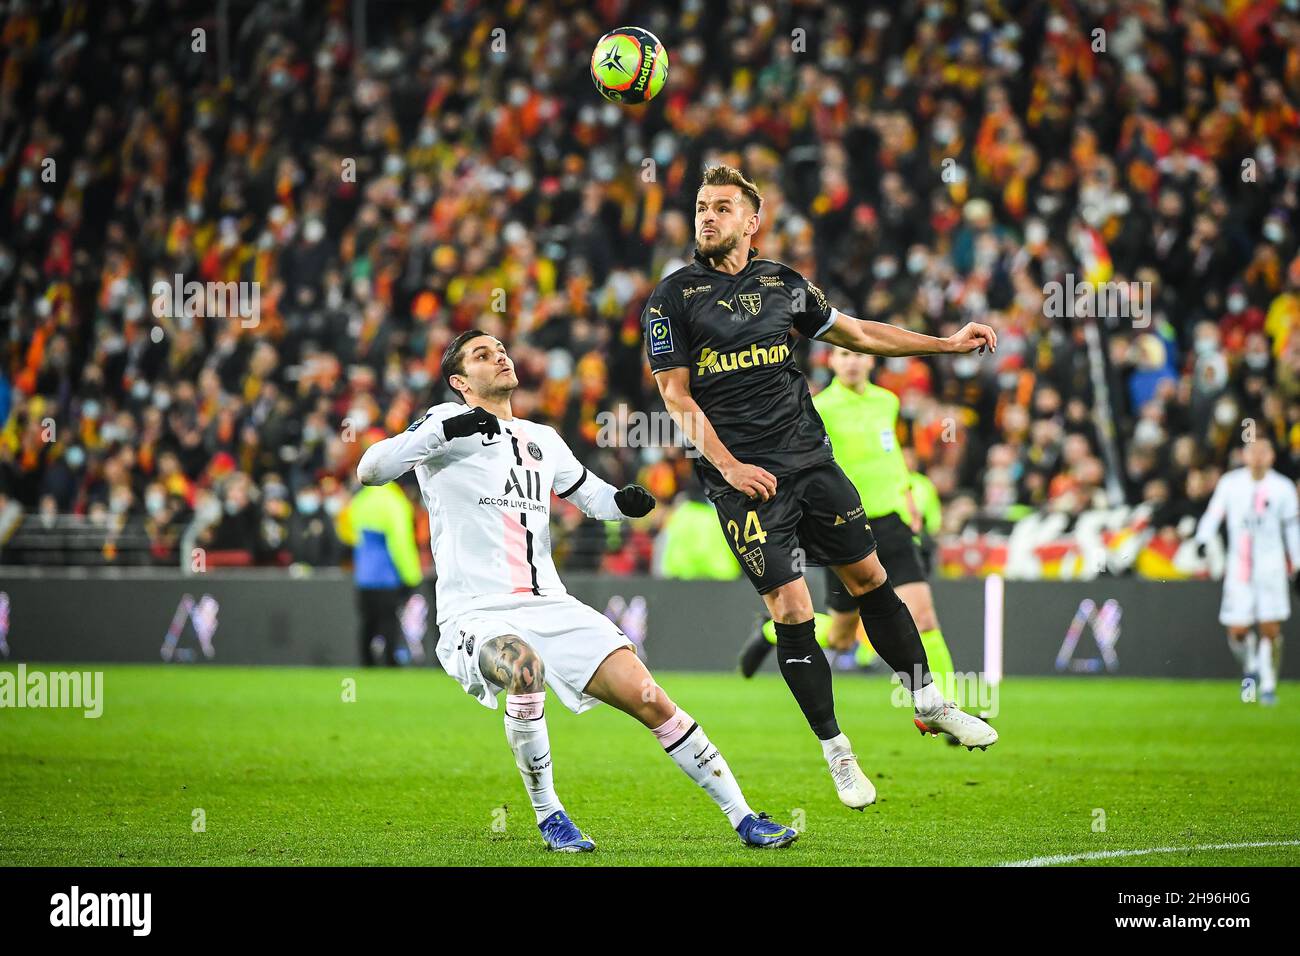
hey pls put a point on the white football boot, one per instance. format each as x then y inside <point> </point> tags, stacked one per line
<point>947,718</point>
<point>855,791</point>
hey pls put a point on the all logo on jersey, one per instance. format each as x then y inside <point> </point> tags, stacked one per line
<point>751,301</point>
<point>531,488</point>
<point>755,561</point>
<point>695,290</point>
<point>534,450</point>
<point>770,281</point>
<point>660,335</point>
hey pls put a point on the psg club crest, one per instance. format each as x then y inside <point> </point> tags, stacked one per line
<point>751,301</point>
<point>534,450</point>
<point>755,562</point>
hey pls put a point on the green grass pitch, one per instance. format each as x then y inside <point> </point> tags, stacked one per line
<point>415,772</point>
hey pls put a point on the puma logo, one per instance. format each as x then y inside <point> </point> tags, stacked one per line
<point>656,312</point>
<point>799,660</point>
<point>729,306</point>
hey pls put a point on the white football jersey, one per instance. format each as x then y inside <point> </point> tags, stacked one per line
<point>1262,521</point>
<point>489,504</point>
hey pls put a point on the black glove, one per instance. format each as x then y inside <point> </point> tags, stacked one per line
<point>634,501</point>
<point>474,420</point>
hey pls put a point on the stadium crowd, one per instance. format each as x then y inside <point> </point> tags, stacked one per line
<point>926,163</point>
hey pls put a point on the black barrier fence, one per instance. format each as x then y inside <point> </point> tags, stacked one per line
<point>1109,626</point>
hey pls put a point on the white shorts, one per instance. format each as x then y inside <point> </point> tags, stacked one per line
<point>571,639</point>
<point>1246,603</point>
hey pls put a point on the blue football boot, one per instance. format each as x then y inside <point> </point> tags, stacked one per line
<point>760,831</point>
<point>562,834</point>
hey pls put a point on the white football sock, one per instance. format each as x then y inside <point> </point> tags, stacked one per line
<point>527,736</point>
<point>835,747</point>
<point>1252,649</point>
<point>928,698</point>
<point>1241,651</point>
<point>1267,675</point>
<point>685,741</point>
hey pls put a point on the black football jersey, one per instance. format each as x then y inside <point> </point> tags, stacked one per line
<point>734,333</point>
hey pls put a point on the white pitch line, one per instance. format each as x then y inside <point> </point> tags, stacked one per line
<point>1113,854</point>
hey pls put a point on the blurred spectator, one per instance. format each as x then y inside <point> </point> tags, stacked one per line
<point>923,166</point>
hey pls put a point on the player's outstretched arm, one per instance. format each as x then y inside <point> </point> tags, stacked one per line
<point>595,496</point>
<point>389,459</point>
<point>881,338</point>
<point>675,388</point>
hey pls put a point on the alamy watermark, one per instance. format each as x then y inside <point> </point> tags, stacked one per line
<point>636,429</point>
<point>969,690</point>
<point>1119,300</point>
<point>219,300</point>
<point>74,689</point>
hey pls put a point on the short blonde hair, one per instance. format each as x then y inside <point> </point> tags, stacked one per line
<point>722,175</point>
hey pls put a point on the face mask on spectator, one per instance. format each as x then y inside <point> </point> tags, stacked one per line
<point>965,367</point>
<point>307,504</point>
<point>119,504</point>
<point>1236,303</point>
<point>76,457</point>
<point>885,268</point>
<point>162,400</point>
<point>155,501</point>
<point>1148,433</point>
<point>1257,360</point>
<point>333,505</point>
<point>418,379</point>
<point>90,410</point>
<point>232,507</point>
<point>1206,346</point>
<point>1273,231</point>
<point>916,262</point>
<point>1225,414</point>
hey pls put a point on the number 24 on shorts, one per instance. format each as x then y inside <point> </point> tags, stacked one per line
<point>753,532</point>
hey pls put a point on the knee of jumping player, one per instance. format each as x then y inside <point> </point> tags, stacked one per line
<point>867,578</point>
<point>510,662</point>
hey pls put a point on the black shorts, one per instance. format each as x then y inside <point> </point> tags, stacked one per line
<point>816,517</point>
<point>903,560</point>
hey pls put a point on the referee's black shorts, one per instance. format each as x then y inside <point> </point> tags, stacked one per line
<point>902,558</point>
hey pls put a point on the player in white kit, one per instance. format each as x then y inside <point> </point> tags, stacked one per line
<point>1262,513</point>
<point>506,621</point>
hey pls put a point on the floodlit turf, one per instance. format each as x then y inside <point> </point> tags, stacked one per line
<point>415,772</point>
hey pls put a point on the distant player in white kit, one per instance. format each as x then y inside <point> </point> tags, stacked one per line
<point>506,621</point>
<point>1263,515</point>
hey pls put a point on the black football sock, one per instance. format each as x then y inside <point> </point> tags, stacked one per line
<point>893,634</point>
<point>806,671</point>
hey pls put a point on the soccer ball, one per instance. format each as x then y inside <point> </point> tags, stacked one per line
<point>629,65</point>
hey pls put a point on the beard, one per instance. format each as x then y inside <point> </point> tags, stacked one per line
<point>720,248</point>
<point>499,388</point>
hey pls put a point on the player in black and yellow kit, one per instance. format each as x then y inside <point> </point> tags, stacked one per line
<point>718,334</point>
